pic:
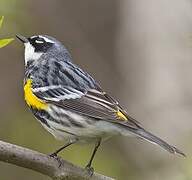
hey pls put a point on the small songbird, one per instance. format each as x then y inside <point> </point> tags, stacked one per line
<point>69,103</point>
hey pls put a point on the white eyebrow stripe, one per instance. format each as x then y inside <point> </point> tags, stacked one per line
<point>33,37</point>
<point>46,39</point>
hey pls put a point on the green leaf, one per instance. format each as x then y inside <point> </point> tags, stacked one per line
<point>4,42</point>
<point>1,20</point>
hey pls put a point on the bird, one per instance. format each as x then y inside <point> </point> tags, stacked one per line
<point>70,104</point>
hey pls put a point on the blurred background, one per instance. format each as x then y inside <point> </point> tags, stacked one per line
<point>139,51</point>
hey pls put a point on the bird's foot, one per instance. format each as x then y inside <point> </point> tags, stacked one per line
<point>90,170</point>
<point>53,155</point>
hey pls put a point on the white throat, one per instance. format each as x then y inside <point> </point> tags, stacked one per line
<point>30,53</point>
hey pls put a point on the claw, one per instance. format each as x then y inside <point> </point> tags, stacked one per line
<point>53,155</point>
<point>90,170</point>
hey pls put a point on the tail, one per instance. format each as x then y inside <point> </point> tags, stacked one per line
<point>142,133</point>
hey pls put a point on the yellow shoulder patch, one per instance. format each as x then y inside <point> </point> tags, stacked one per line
<point>121,116</point>
<point>31,99</point>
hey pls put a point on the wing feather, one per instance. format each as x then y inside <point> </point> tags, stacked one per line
<point>91,103</point>
<point>57,93</point>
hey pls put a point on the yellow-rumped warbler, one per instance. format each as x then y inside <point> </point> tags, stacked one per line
<point>69,103</point>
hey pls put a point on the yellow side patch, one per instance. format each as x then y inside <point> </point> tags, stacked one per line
<point>31,99</point>
<point>121,116</point>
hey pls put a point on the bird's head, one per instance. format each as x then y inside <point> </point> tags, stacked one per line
<point>36,46</point>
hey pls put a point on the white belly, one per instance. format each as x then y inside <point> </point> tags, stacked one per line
<point>89,132</point>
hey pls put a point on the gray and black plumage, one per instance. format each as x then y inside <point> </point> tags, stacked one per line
<point>69,103</point>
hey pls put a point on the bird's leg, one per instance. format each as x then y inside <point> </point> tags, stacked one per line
<point>54,154</point>
<point>88,167</point>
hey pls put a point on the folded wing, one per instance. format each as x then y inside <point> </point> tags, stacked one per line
<point>93,103</point>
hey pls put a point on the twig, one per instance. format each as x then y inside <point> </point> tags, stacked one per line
<point>57,169</point>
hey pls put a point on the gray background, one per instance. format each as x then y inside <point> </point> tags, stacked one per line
<point>139,51</point>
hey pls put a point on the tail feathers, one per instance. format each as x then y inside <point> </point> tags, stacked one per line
<point>155,140</point>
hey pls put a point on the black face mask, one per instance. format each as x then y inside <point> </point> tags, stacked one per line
<point>40,44</point>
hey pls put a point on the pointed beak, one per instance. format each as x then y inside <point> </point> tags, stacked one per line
<point>22,38</point>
